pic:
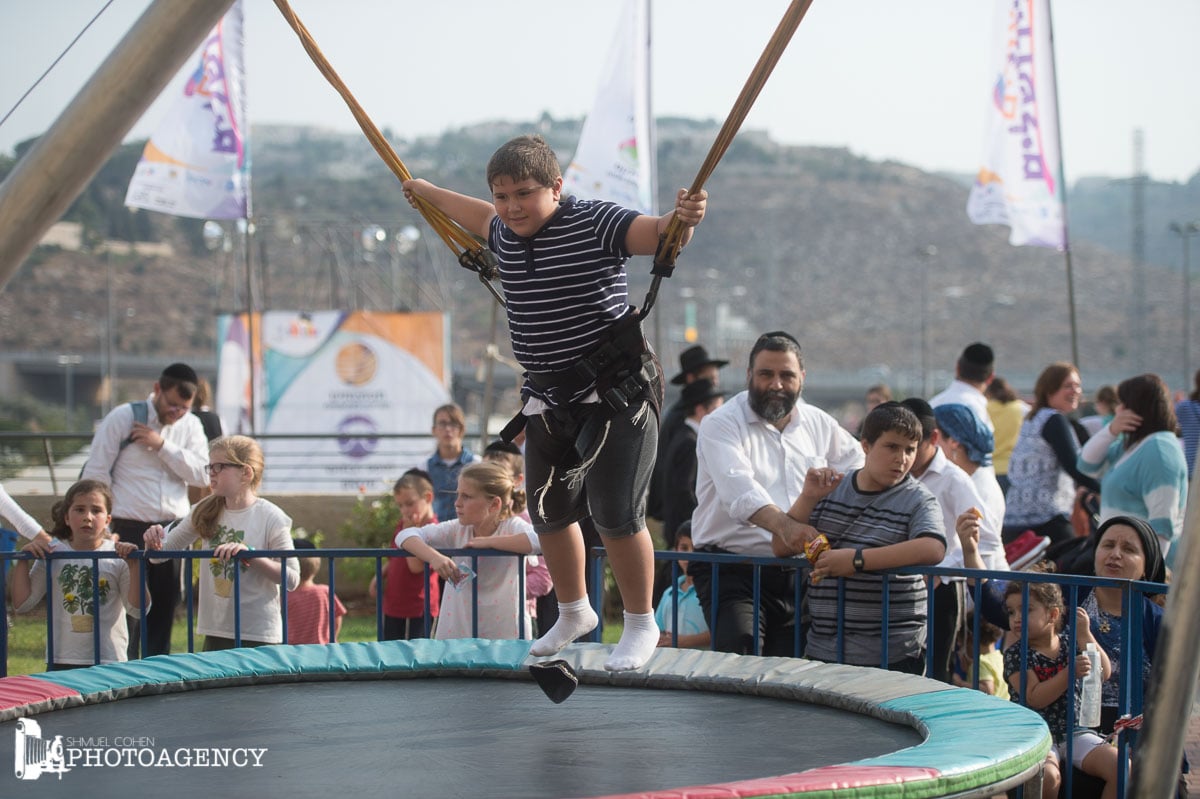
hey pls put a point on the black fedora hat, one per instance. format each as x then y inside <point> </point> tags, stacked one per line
<point>698,391</point>
<point>693,359</point>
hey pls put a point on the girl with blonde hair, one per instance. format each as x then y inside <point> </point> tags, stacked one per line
<point>231,520</point>
<point>487,504</point>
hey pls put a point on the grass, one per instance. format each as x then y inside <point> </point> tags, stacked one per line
<point>27,637</point>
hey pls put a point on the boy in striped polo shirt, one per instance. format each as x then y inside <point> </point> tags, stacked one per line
<point>562,268</point>
<point>876,518</point>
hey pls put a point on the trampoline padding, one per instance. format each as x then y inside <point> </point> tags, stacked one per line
<point>954,757</point>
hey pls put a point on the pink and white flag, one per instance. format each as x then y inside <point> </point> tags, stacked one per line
<point>197,163</point>
<point>615,156</point>
<point>1020,182</point>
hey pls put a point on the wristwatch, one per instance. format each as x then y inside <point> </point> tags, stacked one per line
<point>858,560</point>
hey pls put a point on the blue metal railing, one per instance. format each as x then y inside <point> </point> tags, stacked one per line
<point>1131,633</point>
<point>1130,688</point>
<point>188,558</point>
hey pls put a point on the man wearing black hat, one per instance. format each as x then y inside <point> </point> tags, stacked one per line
<point>973,371</point>
<point>694,364</point>
<point>149,453</point>
<point>699,398</point>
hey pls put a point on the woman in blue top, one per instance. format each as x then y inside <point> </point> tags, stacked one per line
<point>1139,461</point>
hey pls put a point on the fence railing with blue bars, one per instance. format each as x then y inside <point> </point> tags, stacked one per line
<point>1132,650</point>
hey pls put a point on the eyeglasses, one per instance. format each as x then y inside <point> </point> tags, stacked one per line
<point>218,467</point>
<point>446,423</point>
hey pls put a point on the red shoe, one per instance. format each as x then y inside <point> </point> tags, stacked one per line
<point>1025,549</point>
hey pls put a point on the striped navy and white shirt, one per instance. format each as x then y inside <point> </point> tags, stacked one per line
<point>851,518</point>
<point>564,286</point>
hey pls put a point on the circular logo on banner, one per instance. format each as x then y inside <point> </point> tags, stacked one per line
<point>356,436</point>
<point>356,364</point>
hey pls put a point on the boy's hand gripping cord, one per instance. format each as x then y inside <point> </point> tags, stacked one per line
<point>467,248</point>
<point>671,241</point>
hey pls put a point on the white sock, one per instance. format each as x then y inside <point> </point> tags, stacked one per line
<point>574,619</point>
<point>638,641</point>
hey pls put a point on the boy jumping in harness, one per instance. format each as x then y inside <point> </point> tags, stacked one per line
<point>592,385</point>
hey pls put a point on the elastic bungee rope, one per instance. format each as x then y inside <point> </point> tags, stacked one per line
<point>467,248</point>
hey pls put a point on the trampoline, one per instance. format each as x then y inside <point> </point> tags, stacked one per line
<point>464,719</point>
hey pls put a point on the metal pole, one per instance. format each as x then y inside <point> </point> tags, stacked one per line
<point>1187,307</point>
<point>1185,232</point>
<point>1155,772</point>
<point>1062,184</point>
<point>248,242</point>
<point>56,169</point>
<point>489,383</point>
<point>110,352</point>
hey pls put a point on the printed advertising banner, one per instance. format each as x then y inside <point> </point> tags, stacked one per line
<point>360,375</point>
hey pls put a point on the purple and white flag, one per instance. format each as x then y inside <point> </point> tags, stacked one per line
<point>1020,181</point>
<point>615,156</point>
<point>197,163</point>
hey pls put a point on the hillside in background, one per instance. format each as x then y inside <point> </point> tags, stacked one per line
<point>873,265</point>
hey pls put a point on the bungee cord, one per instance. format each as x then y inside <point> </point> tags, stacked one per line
<point>467,248</point>
<point>671,241</point>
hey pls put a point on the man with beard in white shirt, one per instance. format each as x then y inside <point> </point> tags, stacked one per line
<point>752,456</point>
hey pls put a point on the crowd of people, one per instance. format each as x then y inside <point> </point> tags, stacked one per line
<point>971,478</point>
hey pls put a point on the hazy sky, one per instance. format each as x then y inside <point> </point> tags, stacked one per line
<point>888,79</point>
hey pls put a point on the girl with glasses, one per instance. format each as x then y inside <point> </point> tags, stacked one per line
<point>231,520</point>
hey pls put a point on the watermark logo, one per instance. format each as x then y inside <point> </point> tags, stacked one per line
<point>35,754</point>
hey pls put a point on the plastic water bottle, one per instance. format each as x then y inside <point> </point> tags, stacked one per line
<point>1089,692</point>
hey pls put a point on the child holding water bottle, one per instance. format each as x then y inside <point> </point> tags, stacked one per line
<point>486,504</point>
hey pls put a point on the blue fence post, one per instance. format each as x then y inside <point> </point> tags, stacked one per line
<point>5,562</point>
<point>189,568</point>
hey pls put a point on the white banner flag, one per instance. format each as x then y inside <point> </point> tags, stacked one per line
<point>1020,183</point>
<point>197,163</point>
<point>615,157</point>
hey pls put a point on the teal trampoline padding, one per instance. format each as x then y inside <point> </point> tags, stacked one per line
<point>972,741</point>
<point>296,661</point>
<point>972,737</point>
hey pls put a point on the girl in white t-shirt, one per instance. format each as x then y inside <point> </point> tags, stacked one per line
<point>230,520</point>
<point>80,524</point>
<point>486,504</point>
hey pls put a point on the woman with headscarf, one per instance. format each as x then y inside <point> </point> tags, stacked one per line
<point>1139,461</point>
<point>1043,472</point>
<point>968,443</point>
<point>1126,548</point>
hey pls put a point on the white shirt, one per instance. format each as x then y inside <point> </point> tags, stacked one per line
<point>993,498</point>
<point>261,526</point>
<point>745,464</point>
<point>73,638</point>
<point>962,393</point>
<point>956,493</point>
<point>148,486</point>
<point>498,577</point>
<point>9,509</point>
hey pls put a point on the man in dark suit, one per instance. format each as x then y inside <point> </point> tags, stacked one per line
<point>699,398</point>
<point>694,364</point>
